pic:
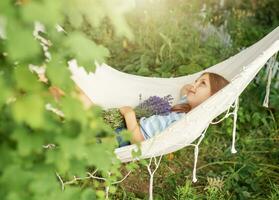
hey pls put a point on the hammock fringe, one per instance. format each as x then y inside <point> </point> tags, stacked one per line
<point>197,154</point>
<point>151,173</point>
<point>271,66</point>
<point>233,150</point>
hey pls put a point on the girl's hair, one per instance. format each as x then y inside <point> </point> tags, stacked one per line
<point>217,82</point>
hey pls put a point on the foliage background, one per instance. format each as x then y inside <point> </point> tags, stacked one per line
<point>159,38</point>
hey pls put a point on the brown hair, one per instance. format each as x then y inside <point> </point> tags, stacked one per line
<point>217,82</point>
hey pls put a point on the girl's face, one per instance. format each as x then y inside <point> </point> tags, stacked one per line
<point>199,91</point>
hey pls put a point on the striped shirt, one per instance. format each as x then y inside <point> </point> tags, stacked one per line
<point>155,124</point>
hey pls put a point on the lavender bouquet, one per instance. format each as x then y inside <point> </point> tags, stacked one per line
<point>154,105</point>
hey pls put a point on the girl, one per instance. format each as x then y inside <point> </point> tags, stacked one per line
<point>191,95</point>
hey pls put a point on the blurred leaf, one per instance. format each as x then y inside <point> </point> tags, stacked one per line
<point>15,178</point>
<point>28,142</point>
<point>72,147</point>
<point>100,194</point>
<point>77,167</point>
<point>85,50</point>
<point>166,39</point>
<point>74,14</point>
<point>21,45</point>
<point>129,68</point>
<point>143,71</point>
<point>99,156</point>
<point>70,193</point>
<point>26,80</point>
<point>189,69</point>
<point>116,12</point>
<point>8,155</point>
<point>59,74</point>
<point>57,157</point>
<point>44,181</point>
<point>73,109</point>
<point>166,74</point>
<point>88,194</point>
<point>92,11</point>
<point>40,11</point>
<point>6,8</point>
<point>5,91</point>
<point>29,109</point>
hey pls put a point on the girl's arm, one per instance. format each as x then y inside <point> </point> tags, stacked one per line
<point>84,98</point>
<point>132,124</point>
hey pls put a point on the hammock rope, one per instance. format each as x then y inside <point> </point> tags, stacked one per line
<point>197,154</point>
<point>151,173</point>
<point>270,67</point>
<point>233,150</point>
<point>235,105</point>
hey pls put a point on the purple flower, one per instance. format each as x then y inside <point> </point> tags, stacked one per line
<point>154,105</point>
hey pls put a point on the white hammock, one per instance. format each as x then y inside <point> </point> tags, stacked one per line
<point>111,88</point>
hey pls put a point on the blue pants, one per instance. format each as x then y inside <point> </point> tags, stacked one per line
<point>121,141</point>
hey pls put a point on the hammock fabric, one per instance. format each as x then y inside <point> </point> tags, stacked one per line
<point>111,88</point>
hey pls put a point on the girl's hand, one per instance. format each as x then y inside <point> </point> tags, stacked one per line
<point>125,110</point>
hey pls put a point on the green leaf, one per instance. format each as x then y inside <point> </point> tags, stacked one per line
<point>136,152</point>
<point>73,109</point>
<point>5,91</point>
<point>15,178</point>
<point>58,158</point>
<point>100,156</point>
<point>121,26</point>
<point>40,11</point>
<point>189,69</point>
<point>166,39</point>
<point>101,194</point>
<point>143,71</point>
<point>72,147</point>
<point>73,13</point>
<point>8,155</point>
<point>132,166</point>
<point>27,142</point>
<point>26,80</point>
<point>77,168</point>
<point>85,51</point>
<point>21,44</point>
<point>126,134</point>
<point>88,194</point>
<point>59,74</point>
<point>44,181</point>
<point>70,193</point>
<point>6,8</point>
<point>116,12</point>
<point>29,109</point>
